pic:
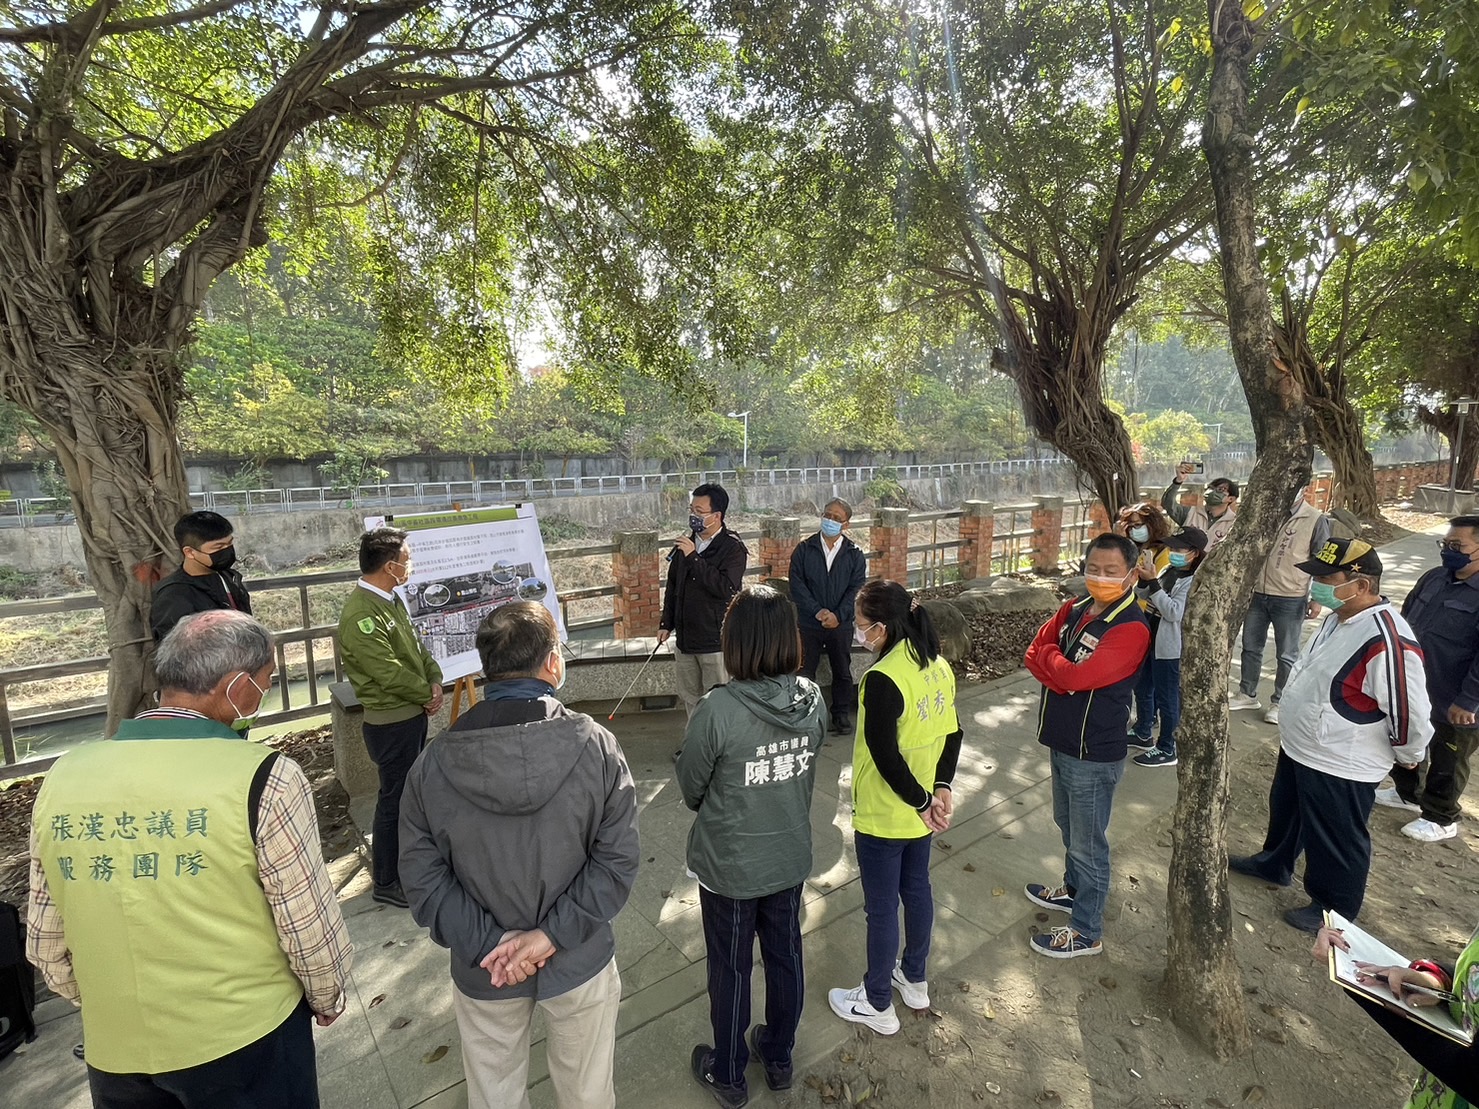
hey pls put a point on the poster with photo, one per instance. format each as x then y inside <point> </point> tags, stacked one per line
<point>463,566</point>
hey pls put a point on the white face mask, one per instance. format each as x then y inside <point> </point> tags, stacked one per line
<point>860,634</point>
<point>245,720</point>
<point>564,670</point>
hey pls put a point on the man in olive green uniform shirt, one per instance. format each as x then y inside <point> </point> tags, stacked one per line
<point>398,683</point>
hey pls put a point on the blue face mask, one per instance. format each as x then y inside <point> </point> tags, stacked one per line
<point>1324,595</point>
<point>696,522</point>
<point>831,528</point>
<point>1139,533</point>
<point>1178,559</point>
<point>1453,561</point>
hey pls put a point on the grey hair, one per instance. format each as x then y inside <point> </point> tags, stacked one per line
<point>204,647</point>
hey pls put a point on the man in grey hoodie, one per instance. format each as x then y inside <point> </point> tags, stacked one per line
<point>518,849</point>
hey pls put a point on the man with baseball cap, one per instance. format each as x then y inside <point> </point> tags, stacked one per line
<point>1355,703</point>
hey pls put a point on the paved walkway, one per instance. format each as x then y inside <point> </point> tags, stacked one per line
<point>397,1047</point>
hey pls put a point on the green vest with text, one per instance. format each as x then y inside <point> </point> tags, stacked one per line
<point>929,716</point>
<point>148,853</point>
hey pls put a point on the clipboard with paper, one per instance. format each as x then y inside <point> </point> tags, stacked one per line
<point>1366,948</point>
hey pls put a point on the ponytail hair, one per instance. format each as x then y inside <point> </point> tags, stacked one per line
<point>904,619</point>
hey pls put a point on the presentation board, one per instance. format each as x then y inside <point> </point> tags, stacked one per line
<point>463,566</point>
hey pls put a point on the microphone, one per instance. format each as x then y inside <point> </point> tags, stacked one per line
<point>674,552</point>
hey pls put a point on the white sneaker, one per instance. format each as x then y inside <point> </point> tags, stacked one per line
<point>1237,699</point>
<point>1393,800</point>
<point>1429,832</point>
<point>1272,715</point>
<point>854,1005</point>
<point>916,995</point>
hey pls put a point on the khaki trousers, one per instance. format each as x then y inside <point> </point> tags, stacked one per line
<point>580,1042</point>
<point>697,674</point>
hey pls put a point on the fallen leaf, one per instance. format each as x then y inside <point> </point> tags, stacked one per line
<point>1248,925</point>
<point>652,858</point>
<point>963,987</point>
<point>998,891</point>
<point>1041,918</point>
<point>1048,1097</point>
<point>847,1093</point>
<point>1108,982</point>
<point>388,943</point>
<point>988,1011</point>
<point>993,1088</point>
<point>811,1081</point>
<point>864,1096</point>
<point>435,1054</point>
<point>1008,835</point>
<point>376,1000</point>
<point>667,893</point>
<point>399,1023</point>
<point>1137,1022</point>
<point>942,845</point>
<point>969,868</point>
<point>846,1057</point>
<point>1253,1093</point>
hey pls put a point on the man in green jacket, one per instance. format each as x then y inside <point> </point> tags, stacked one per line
<point>397,682</point>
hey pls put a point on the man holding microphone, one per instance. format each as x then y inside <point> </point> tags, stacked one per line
<point>705,570</point>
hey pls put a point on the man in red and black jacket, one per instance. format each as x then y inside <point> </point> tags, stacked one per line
<point>1088,657</point>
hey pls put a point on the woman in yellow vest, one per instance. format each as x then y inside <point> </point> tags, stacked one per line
<point>904,755</point>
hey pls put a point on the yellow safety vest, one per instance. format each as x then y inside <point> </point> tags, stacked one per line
<point>148,853</point>
<point>929,716</point>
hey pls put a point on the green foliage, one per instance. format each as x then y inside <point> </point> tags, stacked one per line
<point>16,584</point>
<point>347,471</point>
<point>1168,437</point>
<point>53,483</point>
<point>884,489</point>
<point>249,475</point>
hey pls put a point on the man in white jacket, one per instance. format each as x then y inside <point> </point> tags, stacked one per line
<point>1356,701</point>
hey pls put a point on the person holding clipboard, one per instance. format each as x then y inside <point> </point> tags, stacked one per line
<point>1450,1076</point>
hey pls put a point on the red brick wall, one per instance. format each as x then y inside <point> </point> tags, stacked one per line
<point>637,571</point>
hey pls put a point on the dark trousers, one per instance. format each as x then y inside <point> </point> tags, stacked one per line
<point>837,642</point>
<point>1447,773</point>
<point>1167,675</point>
<point>1145,705</point>
<point>277,1070</point>
<point>393,748</point>
<point>730,928</point>
<point>1324,817</point>
<point>894,871</point>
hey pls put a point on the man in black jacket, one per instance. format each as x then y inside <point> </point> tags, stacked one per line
<point>205,579</point>
<point>827,570</point>
<point>706,568</point>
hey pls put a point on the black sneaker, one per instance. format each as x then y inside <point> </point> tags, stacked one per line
<point>776,1077</point>
<point>1307,918</point>
<point>1139,742</point>
<point>391,895</point>
<point>1247,864</point>
<point>1155,757</point>
<point>702,1062</point>
<point>1049,897</point>
<point>841,725</point>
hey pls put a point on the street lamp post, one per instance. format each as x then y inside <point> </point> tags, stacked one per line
<point>745,454</point>
<point>1463,404</point>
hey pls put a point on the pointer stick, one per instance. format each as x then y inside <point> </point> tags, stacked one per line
<point>633,686</point>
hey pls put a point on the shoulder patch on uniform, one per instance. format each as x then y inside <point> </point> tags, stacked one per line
<point>367,625</point>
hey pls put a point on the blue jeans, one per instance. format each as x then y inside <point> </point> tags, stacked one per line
<point>1167,673</point>
<point>1145,706</point>
<point>1286,614</point>
<point>895,870</point>
<point>1083,794</point>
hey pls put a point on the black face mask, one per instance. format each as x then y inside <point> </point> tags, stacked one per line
<point>224,559</point>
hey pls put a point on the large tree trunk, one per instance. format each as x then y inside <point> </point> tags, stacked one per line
<point>1445,421</point>
<point>1334,422</point>
<point>1057,364</point>
<point>1201,970</point>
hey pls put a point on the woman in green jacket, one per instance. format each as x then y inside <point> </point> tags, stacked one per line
<point>904,755</point>
<point>747,768</point>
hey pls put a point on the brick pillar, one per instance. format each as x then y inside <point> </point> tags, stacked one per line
<point>1149,493</point>
<point>1047,532</point>
<point>1099,521</point>
<point>1323,486</point>
<point>977,532</point>
<point>637,572</point>
<point>890,540</point>
<point>778,538</point>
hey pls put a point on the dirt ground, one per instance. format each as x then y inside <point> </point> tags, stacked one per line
<point>1011,1029</point>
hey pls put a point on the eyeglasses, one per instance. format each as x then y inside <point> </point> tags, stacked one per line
<point>1452,545</point>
